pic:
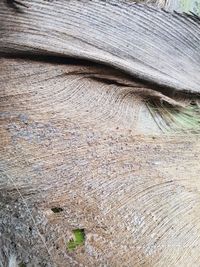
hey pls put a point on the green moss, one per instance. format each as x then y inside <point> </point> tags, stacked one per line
<point>78,240</point>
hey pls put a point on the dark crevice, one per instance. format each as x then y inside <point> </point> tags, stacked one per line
<point>56,209</point>
<point>15,5</point>
<point>66,60</point>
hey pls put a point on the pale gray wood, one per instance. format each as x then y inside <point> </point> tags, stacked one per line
<point>79,136</point>
<point>155,46</point>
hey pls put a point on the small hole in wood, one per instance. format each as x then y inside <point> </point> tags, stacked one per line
<point>56,209</point>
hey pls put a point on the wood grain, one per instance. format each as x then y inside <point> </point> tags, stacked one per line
<point>77,135</point>
<point>155,46</point>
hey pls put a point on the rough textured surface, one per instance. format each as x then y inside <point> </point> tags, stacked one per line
<point>152,45</point>
<point>79,136</point>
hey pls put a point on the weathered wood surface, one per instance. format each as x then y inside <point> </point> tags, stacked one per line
<point>78,135</point>
<point>135,39</point>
